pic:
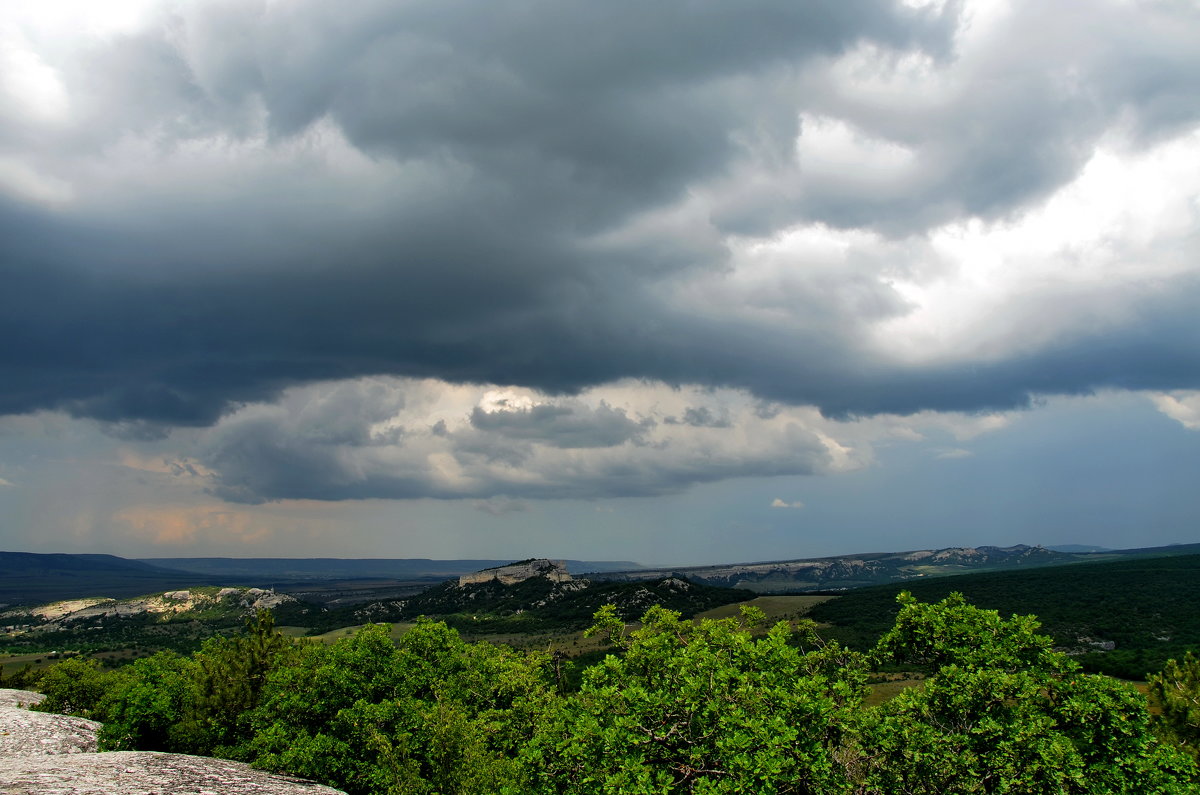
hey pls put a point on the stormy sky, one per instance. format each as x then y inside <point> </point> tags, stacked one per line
<point>675,282</point>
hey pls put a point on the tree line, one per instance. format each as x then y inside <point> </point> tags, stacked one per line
<point>715,706</point>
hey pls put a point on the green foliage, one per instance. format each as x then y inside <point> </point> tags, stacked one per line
<point>72,687</point>
<point>703,708</point>
<point>953,632</point>
<point>144,702</point>
<point>1003,713</point>
<point>229,678</point>
<point>431,714</point>
<point>1176,693</point>
<point>607,624</point>
<point>680,707</point>
<point>1145,606</point>
<point>26,678</point>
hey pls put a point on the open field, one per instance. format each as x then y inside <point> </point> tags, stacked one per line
<point>398,629</point>
<point>777,608</point>
<point>11,663</point>
<point>887,690</point>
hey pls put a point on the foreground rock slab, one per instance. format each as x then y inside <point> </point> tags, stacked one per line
<point>24,733</point>
<point>144,773</point>
<point>46,754</point>
<point>19,698</point>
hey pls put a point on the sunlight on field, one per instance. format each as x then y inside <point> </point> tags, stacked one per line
<point>11,663</point>
<point>333,635</point>
<point>886,691</point>
<point>777,608</point>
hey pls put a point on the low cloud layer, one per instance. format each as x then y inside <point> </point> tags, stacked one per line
<point>400,439</point>
<point>867,207</point>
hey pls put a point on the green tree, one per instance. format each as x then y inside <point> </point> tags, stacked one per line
<point>144,702</point>
<point>704,708</point>
<point>431,714</point>
<point>1001,712</point>
<point>228,681</point>
<point>1176,693</point>
<point>73,687</point>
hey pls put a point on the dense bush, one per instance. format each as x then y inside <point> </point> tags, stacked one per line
<point>1002,712</point>
<point>703,708</point>
<point>429,714</point>
<point>707,707</point>
<point>1176,694</point>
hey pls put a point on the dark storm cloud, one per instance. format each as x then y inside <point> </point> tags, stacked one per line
<point>514,148</point>
<point>561,426</point>
<point>701,417</point>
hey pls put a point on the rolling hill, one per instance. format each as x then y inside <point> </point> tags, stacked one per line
<point>1124,617</point>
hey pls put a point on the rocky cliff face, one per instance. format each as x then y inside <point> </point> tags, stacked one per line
<point>553,570</point>
<point>46,754</point>
<point>852,571</point>
<point>168,604</point>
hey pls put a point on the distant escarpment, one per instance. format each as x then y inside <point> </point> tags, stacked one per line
<point>513,573</point>
<point>539,594</point>
<point>32,578</point>
<point>856,571</point>
<point>209,603</point>
<point>177,619</point>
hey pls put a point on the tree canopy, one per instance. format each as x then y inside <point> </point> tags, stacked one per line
<point>678,706</point>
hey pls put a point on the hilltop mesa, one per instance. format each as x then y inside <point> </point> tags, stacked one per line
<point>513,573</point>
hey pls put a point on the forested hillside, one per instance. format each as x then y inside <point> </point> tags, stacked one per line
<point>1125,618</point>
<point>538,604</point>
<point>678,707</point>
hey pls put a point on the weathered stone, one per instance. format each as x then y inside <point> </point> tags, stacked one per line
<point>47,754</point>
<point>553,570</point>
<point>144,773</point>
<point>27,733</point>
<point>167,603</point>
<point>19,698</point>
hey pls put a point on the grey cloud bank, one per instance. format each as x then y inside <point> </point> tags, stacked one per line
<point>504,255</point>
<point>270,194</point>
<point>489,444</point>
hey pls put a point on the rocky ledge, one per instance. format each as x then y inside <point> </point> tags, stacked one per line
<point>46,754</point>
<point>553,570</point>
<point>28,734</point>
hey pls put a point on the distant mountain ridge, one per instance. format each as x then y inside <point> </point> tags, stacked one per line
<point>876,568</point>
<point>33,578</point>
<point>34,563</point>
<point>360,568</point>
<point>30,577</point>
<point>37,578</point>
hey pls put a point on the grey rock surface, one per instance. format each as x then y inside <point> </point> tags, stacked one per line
<point>47,754</point>
<point>553,570</point>
<point>24,733</point>
<point>19,698</point>
<point>144,773</point>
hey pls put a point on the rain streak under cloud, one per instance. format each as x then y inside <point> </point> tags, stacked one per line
<point>438,279</point>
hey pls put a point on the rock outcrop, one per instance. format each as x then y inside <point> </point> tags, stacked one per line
<point>46,754</point>
<point>164,605</point>
<point>553,570</point>
<point>142,773</point>
<point>24,733</point>
<point>19,698</point>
